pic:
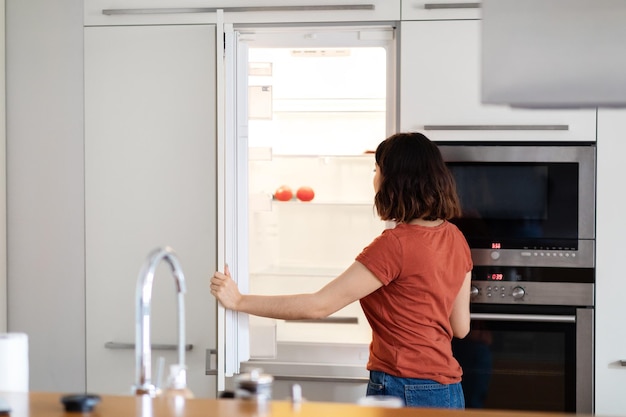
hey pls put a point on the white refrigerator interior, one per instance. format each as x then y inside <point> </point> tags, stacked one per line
<point>318,105</point>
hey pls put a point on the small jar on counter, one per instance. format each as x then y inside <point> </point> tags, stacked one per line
<point>254,385</point>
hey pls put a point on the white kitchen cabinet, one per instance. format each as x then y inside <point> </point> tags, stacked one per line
<point>610,374</point>
<point>150,181</point>
<point>143,12</point>
<point>440,9</point>
<point>440,92</point>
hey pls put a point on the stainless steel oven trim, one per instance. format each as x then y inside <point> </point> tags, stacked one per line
<point>543,318</point>
<point>583,154</point>
<point>584,361</point>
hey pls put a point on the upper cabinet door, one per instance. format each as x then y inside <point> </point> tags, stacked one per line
<point>440,9</point>
<point>440,92</point>
<point>138,12</point>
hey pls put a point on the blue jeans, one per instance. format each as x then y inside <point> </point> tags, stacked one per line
<point>416,392</point>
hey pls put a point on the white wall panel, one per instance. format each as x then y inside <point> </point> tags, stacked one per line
<point>45,188</point>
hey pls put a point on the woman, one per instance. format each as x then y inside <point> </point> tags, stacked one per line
<point>412,281</point>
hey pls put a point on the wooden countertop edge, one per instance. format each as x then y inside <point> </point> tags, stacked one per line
<point>48,404</point>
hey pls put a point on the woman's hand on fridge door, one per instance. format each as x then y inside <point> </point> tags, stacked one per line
<point>225,289</point>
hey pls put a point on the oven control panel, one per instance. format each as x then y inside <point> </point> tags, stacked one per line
<point>583,257</point>
<point>498,290</point>
<point>532,293</point>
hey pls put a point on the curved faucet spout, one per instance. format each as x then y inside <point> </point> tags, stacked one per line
<point>143,348</point>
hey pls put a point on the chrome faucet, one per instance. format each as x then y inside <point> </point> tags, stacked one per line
<point>143,348</point>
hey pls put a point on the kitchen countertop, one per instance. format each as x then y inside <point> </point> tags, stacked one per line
<point>47,404</point>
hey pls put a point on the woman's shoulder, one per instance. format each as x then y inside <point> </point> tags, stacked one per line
<point>454,228</point>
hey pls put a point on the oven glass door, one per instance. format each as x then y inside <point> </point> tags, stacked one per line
<point>519,359</point>
<point>518,205</point>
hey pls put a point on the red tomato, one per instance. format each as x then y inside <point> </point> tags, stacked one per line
<point>305,193</point>
<point>283,193</point>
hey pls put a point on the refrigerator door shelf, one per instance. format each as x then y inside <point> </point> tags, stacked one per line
<point>349,358</point>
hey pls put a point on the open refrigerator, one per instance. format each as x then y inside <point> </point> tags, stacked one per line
<point>313,104</point>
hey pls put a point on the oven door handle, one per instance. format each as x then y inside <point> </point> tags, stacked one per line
<point>545,318</point>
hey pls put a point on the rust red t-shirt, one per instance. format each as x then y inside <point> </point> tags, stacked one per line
<point>422,270</point>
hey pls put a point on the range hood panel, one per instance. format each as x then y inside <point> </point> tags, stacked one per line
<point>554,53</point>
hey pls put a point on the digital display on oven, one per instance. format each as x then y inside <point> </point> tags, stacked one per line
<point>532,274</point>
<point>496,276</point>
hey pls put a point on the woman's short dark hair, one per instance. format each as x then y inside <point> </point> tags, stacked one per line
<point>414,180</point>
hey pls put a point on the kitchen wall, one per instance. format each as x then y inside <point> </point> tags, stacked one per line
<point>45,188</point>
<point>3,231</point>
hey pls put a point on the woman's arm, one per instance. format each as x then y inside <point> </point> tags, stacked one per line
<point>353,284</point>
<point>460,316</point>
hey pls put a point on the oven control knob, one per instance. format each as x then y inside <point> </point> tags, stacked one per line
<point>474,291</point>
<point>518,292</point>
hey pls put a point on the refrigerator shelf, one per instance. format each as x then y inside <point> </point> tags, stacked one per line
<point>324,203</point>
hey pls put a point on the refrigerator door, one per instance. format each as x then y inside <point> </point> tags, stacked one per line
<point>233,332</point>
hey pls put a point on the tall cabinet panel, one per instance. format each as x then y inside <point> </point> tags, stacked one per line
<point>440,91</point>
<point>150,181</point>
<point>611,278</point>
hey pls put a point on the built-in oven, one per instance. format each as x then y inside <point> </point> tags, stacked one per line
<point>530,346</point>
<point>529,218</point>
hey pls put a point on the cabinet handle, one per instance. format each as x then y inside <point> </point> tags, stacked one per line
<point>330,320</point>
<point>435,6</point>
<point>543,318</point>
<point>178,10</point>
<point>157,346</point>
<point>496,127</point>
<point>210,367</point>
